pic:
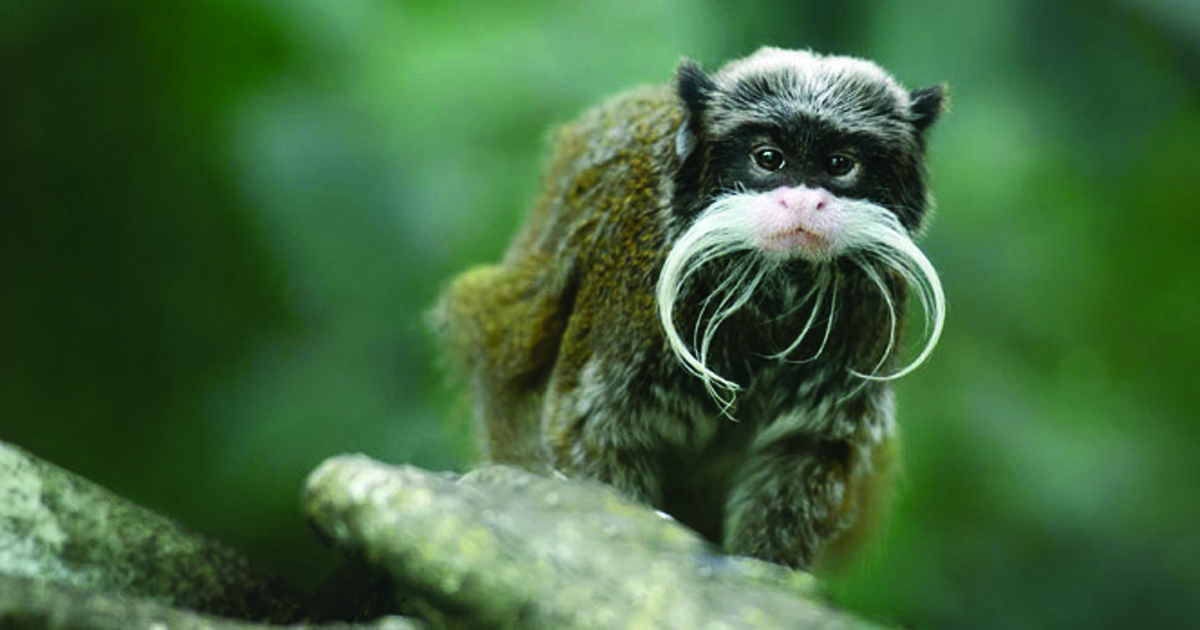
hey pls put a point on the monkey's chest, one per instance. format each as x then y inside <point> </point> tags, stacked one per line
<point>780,412</point>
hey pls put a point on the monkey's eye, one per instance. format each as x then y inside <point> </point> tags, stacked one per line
<point>768,158</point>
<point>840,164</point>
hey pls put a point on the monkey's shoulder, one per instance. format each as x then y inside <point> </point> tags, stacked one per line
<point>618,149</point>
<point>605,181</point>
<point>641,120</point>
<point>587,249</point>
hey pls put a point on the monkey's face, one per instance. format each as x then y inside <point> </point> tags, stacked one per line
<point>832,127</point>
<point>789,156</point>
<point>794,180</point>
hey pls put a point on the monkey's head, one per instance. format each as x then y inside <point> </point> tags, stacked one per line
<point>792,160</point>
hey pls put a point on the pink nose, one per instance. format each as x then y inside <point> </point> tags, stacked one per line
<point>802,198</point>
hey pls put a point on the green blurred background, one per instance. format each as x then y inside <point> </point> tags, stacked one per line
<point>221,224</point>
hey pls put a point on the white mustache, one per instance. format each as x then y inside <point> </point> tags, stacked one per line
<point>866,234</point>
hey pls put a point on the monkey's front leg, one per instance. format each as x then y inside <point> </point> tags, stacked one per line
<point>598,430</point>
<point>797,496</point>
<point>600,450</point>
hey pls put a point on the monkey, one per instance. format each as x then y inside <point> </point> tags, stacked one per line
<point>705,305</point>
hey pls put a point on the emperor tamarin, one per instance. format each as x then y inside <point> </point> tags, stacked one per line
<point>704,306</point>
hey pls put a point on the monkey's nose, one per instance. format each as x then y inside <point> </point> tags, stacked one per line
<point>802,198</point>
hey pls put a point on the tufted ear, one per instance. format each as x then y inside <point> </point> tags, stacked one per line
<point>694,85</point>
<point>928,105</point>
<point>695,89</point>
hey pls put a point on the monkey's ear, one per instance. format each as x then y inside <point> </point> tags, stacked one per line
<point>695,89</point>
<point>928,105</point>
<point>695,86</point>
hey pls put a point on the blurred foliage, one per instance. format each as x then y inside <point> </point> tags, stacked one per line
<point>221,224</point>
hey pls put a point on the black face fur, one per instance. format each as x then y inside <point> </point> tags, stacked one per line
<point>813,110</point>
